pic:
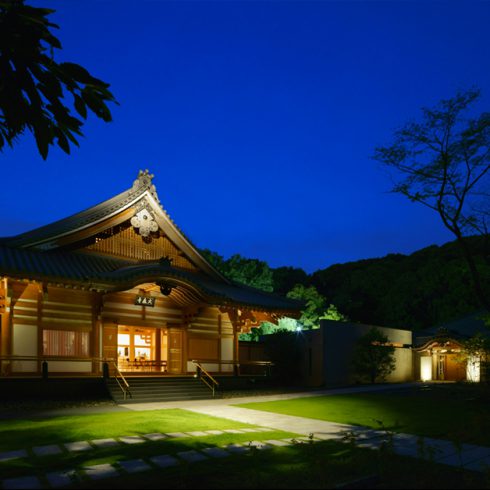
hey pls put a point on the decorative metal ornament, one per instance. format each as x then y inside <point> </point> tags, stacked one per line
<point>144,222</point>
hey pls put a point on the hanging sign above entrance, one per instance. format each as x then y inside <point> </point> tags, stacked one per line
<point>145,300</point>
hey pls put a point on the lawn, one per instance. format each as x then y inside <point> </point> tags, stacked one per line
<point>320,465</point>
<point>456,412</point>
<point>16,434</point>
<point>29,433</point>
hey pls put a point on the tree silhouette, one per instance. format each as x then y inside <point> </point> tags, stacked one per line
<point>33,85</point>
<point>443,162</point>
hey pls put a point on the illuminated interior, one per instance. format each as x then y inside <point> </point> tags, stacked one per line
<point>137,349</point>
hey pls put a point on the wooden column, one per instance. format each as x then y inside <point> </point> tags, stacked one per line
<point>95,337</point>
<point>219,342</point>
<point>158,345</point>
<point>6,326</point>
<point>40,343</point>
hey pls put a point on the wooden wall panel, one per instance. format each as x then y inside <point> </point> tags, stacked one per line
<point>206,321</point>
<point>120,307</point>
<point>123,241</point>
<point>66,309</point>
<point>109,341</point>
<point>201,348</point>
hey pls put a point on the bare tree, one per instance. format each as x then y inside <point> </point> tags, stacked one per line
<point>443,162</point>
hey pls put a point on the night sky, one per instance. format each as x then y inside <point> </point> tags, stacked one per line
<point>258,119</point>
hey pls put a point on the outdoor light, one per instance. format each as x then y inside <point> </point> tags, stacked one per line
<point>165,289</point>
<point>426,368</point>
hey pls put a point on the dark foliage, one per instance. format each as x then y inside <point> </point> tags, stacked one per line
<point>33,86</point>
<point>428,287</point>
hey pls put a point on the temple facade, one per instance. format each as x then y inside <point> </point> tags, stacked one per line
<point>120,284</point>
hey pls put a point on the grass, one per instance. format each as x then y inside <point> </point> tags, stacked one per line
<point>326,464</point>
<point>28,433</point>
<point>18,434</point>
<point>454,412</point>
<point>321,465</point>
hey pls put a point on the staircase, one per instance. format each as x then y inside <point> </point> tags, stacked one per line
<point>160,389</point>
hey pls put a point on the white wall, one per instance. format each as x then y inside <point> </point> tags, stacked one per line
<point>24,343</point>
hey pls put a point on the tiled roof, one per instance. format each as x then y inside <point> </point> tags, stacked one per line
<point>76,221</point>
<point>460,329</point>
<point>110,274</point>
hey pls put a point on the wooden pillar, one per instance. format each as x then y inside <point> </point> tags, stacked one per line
<point>219,342</point>
<point>236,351</point>
<point>5,327</point>
<point>175,354</point>
<point>40,343</point>
<point>158,346</point>
<point>96,334</point>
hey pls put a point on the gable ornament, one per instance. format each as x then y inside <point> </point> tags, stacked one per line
<point>144,222</point>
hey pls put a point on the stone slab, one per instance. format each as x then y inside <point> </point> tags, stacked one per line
<point>215,452</point>
<point>328,436</point>
<point>197,433</point>
<point>164,460</point>
<point>264,429</point>
<point>192,456</point>
<point>467,455</point>
<point>100,471</point>
<point>22,482</point>
<point>155,436</point>
<point>280,443</point>
<point>58,479</point>
<point>233,431</point>
<point>105,442</point>
<point>177,434</point>
<point>77,446</point>
<point>215,432</point>
<point>482,465</point>
<point>18,453</point>
<point>132,439</point>
<point>134,465</point>
<point>236,448</point>
<point>247,429</point>
<point>259,445</point>
<point>49,450</point>
<point>306,439</point>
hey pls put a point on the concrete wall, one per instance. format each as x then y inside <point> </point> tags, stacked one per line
<point>339,341</point>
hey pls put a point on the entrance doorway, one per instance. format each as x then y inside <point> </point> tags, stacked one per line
<point>142,349</point>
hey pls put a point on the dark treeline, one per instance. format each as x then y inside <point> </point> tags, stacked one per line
<point>426,288</point>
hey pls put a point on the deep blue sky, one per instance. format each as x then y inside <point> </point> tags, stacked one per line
<point>258,119</point>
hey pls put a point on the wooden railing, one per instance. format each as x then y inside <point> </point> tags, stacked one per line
<point>142,365</point>
<point>6,364</point>
<point>205,377</point>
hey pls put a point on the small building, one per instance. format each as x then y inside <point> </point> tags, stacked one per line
<point>438,351</point>
<point>120,283</point>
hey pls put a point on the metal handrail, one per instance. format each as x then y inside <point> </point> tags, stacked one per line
<point>213,385</point>
<point>125,385</point>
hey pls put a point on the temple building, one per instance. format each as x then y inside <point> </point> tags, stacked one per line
<point>119,283</point>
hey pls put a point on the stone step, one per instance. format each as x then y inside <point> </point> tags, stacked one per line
<point>154,389</point>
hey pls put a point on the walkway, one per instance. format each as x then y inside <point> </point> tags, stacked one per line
<point>469,456</point>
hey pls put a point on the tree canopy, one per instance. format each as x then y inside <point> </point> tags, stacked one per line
<point>252,272</point>
<point>443,162</point>
<point>33,85</point>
